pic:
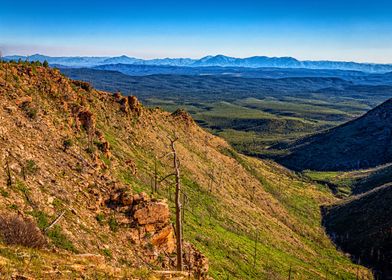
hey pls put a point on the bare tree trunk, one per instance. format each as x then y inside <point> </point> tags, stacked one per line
<point>178,207</point>
<point>9,176</point>
<point>6,72</point>
<point>55,221</point>
<point>155,175</point>
<point>255,252</point>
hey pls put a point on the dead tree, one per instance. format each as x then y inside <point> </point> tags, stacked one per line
<point>178,205</point>
<point>9,176</point>
<point>155,174</point>
<point>212,180</point>
<point>255,248</point>
<point>52,224</point>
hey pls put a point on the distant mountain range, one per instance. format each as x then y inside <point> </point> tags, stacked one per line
<point>362,143</point>
<point>218,60</point>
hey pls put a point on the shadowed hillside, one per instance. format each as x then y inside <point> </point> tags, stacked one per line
<point>78,164</point>
<point>362,226</point>
<point>362,143</point>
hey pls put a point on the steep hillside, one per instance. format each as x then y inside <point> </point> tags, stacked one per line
<point>84,159</point>
<point>362,143</point>
<point>362,226</point>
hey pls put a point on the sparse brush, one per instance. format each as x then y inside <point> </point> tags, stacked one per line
<point>15,230</point>
<point>30,167</point>
<point>29,110</point>
<point>67,143</point>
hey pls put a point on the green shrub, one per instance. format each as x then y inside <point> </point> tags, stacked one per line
<point>113,224</point>
<point>41,218</point>
<point>4,193</point>
<point>30,167</point>
<point>29,110</point>
<point>100,218</point>
<point>67,143</point>
<point>107,253</point>
<point>13,207</point>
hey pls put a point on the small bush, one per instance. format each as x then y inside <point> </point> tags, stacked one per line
<point>31,167</point>
<point>13,207</point>
<point>100,218</point>
<point>91,150</point>
<point>107,253</point>
<point>15,230</point>
<point>4,193</point>
<point>67,143</point>
<point>113,224</point>
<point>78,168</point>
<point>29,110</point>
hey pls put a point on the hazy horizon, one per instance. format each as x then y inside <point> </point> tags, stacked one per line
<point>357,31</point>
<point>194,58</point>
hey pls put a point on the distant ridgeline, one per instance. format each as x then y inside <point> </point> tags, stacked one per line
<point>218,60</point>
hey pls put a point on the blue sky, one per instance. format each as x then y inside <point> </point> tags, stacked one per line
<point>336,30</point>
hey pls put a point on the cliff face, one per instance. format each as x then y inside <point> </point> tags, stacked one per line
<point>86,159</point>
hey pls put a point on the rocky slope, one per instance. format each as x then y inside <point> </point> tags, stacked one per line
<point>85,159</point>
<point>362,143</point>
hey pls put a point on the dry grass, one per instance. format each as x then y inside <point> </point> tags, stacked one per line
<point>230,196</point>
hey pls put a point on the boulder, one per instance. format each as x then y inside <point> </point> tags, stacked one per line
<point>134,105</point>
<point>152,213</point>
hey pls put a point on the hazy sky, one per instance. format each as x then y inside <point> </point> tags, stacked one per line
<point>334,29</point>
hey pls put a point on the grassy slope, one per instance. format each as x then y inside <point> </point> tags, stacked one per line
<point>230,197</point>
<point>354,182</point>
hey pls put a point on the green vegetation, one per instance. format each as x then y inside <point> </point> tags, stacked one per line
<point>67,143</point>
<point>55,234</point>
<point>100,218</point>
<point>252,114</point>
<point>354,182</point>
<point>30,167</point>
<point>230,245</point>
<point>60,240</point>
<point>113,224</point>
<point>252,218</point>
<point>107,253</point>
